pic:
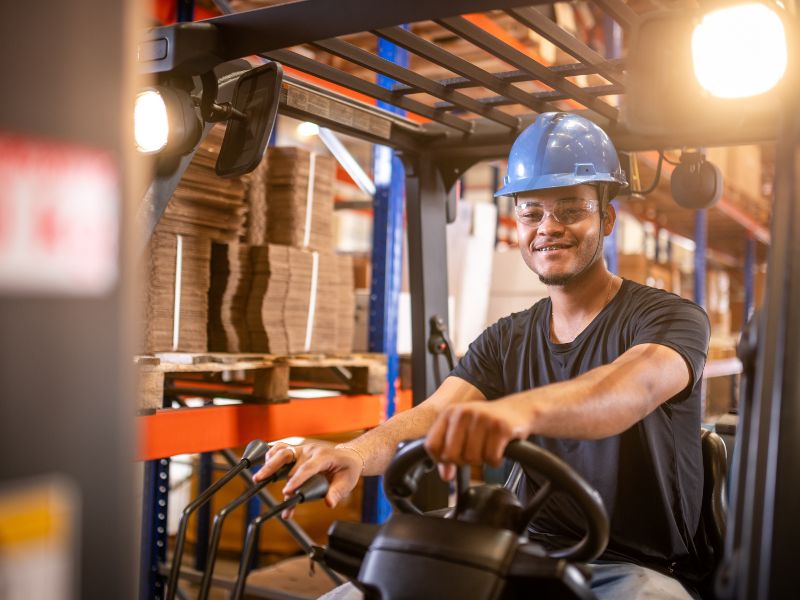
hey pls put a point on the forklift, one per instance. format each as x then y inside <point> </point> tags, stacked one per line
<point>475,549</point>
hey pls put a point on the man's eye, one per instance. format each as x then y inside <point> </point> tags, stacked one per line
<point>532,214</point>
<point>572,214</point>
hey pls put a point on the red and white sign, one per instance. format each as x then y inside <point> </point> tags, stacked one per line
<point>59,218</point>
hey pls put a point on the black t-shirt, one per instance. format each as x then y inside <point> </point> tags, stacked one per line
<point>650,476</point>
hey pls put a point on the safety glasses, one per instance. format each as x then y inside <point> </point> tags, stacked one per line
<point>567,211</point>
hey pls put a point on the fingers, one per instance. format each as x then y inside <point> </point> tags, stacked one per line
<point>447,471</point>
<point>455,442</point>
<point>341,484</point>
<point>303,470</point>
<point>495,446</point>
<point>472,433</point>
<point>277,456</point>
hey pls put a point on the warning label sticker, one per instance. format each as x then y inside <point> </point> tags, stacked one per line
<point>59,218</point>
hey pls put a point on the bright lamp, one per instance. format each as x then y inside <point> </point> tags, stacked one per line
<point>165,120</point>
<point>151,125</point>
<point>739,51</point>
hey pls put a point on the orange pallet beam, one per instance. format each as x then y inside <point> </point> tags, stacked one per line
<point>189,430</point>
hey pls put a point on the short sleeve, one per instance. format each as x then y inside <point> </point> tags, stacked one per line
<point>678,324</point>
<point>482,364</point>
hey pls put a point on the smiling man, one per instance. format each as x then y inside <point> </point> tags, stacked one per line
<point>604,372</point>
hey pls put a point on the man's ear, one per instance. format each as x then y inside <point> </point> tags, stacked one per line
<point>609,218</point>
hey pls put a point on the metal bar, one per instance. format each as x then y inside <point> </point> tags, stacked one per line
<point>426,206</point>
<point>771,547</point>
<point>427,260</point>
<point>700,237</point>
<point>453,63</point>
<point>204,472</point>
<point>620,12</point>
<point>749,276</point>
<point>328,73</point>
<point>184,10</point>
<point>552,96</point>
<point>387,265</point>
<point>253,510</point>
<point>515,76</point>
<point>287,25</point>
<point>384,67</point>
<point>534,19</point>
<point>611,245</point>
<point>154,528</point>
<point>477,36</point>
<point>346,160</point>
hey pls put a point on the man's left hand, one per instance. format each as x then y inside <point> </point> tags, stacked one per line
<point>476,432</point>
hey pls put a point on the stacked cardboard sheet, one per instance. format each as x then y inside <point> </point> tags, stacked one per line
<point>346,303</point>
<point>176,294</point>
<point>300,199</point>
<point>324,333</point>
<point>203,203</point>
<point>227,298</point>
<point>255,227</point>
<point>267,300</point>
<point>204,208</point>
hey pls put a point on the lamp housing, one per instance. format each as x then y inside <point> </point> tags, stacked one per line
<point>166,121</point>
<point>667,96</point>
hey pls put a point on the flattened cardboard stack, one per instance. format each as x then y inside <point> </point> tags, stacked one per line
<point>300,199</point>
<point>231,273</point>
<point>265,308</point>
<point>256,199</point>
<point>227,298</point>
<point>176,301</point>
<point>204,208</point>
<point>346,307</point>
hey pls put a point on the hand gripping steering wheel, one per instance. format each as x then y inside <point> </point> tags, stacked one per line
<point>411,461</point>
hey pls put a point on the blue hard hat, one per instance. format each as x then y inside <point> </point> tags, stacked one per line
<point>561,149</point>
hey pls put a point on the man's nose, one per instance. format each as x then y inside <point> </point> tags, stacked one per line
<point>549,225</point>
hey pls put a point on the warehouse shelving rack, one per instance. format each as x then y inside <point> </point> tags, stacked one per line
<point>459,129</point>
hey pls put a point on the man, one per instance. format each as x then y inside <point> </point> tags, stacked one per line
<point>605,373</point>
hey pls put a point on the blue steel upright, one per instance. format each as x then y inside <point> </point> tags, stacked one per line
<point>387,263</point>
<point>700,234</point>
<point>154,529</point>
<point>612,35</point>
<point>749,277</point>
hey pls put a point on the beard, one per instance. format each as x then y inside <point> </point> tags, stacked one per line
<point>560,279</point>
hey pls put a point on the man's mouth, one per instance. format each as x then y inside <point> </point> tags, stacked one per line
<point>551,247</point>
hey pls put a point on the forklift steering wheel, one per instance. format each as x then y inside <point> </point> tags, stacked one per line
<point>412,460</point>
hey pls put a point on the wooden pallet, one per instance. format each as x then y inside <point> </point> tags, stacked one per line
<point>257,378</point>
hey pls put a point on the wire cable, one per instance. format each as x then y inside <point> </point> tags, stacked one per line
<point>656,179</point>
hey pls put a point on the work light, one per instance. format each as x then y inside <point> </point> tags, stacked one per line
<point>739,51</point>
<point>165,120</point>
<point>150,122</point>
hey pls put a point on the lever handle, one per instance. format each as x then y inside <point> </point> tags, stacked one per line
<point>313,489</point>
<point>255,451</point>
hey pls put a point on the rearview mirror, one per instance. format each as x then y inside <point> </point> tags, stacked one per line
<point>256,97</point>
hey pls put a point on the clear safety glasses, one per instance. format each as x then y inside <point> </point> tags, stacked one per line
<point>567,211</point>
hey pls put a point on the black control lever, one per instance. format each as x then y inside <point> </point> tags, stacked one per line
<point>313,489</point>
<point>219,520</point>
<point>254,452</point>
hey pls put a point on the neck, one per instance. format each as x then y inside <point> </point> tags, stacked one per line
<point>583,295</point>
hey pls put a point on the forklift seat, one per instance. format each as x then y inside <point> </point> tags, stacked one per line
<point>714,509</point>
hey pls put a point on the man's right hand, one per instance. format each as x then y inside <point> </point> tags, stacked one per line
<point>342,467</point>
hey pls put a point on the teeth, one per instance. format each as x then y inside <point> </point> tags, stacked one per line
<point>550,248</point>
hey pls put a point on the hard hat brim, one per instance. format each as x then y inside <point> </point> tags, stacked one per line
<point>545,182</point>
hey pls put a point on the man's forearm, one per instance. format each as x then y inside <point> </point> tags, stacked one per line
<point>377,446</point>
<point>609,399</point>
